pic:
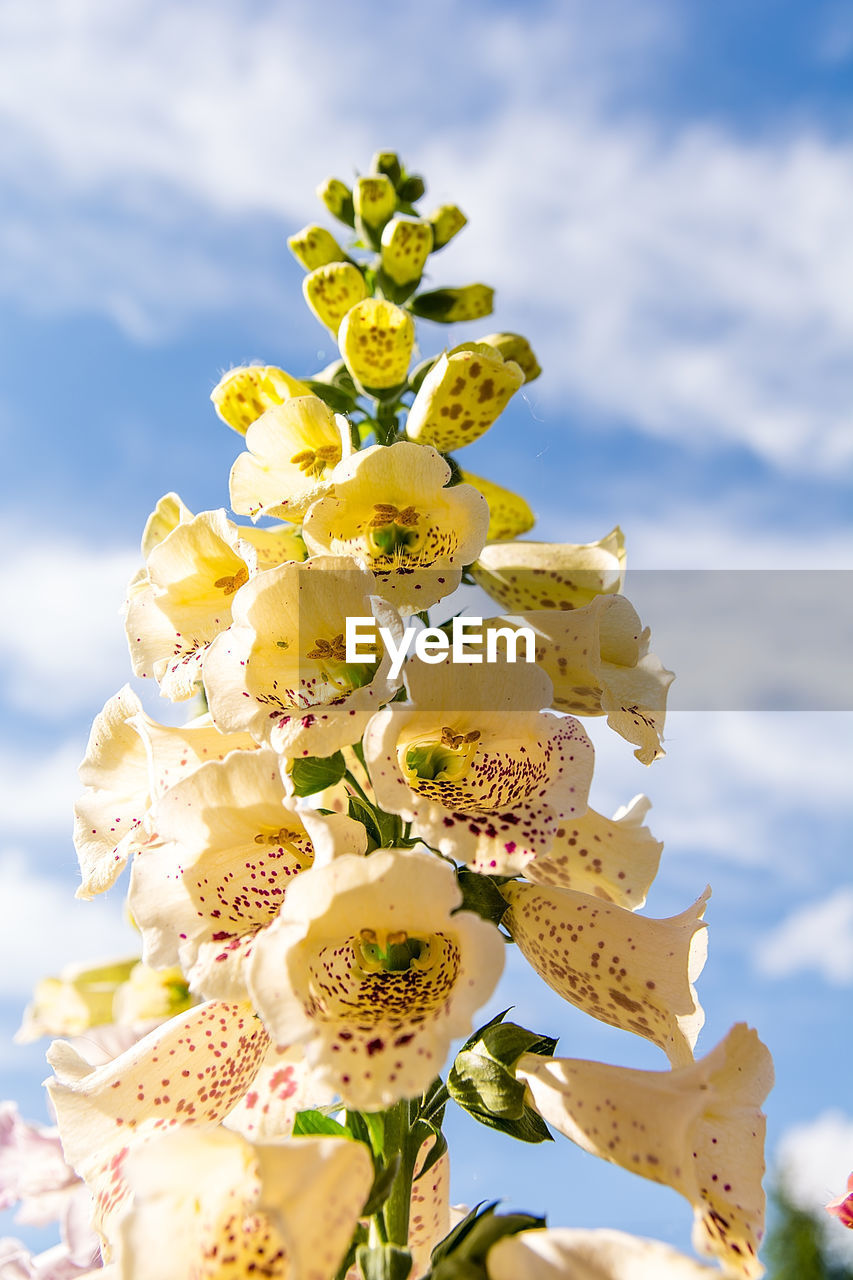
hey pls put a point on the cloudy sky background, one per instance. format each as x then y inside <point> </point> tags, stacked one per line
<point>661,195</point>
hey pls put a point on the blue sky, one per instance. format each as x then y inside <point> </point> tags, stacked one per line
<point>661,196</point>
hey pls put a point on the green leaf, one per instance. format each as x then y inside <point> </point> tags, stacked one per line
<point>313,1122</point>
<point>383,1181</point>
<point>338,400</point>
<point>383,1262</point>
<point>315,773</point>
<point>420,371</point>
<point>470,1241</point>
<point>482,894</point>
<point>360,812</point>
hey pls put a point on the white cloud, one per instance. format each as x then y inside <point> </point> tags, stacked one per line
<point>62,641</point>
<point>38,789</point>
<point>817,937</point>
<point>676,276</point>
<point>814,1160</point>
<point>46,928</point>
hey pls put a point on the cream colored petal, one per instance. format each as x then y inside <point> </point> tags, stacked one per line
<point>376,340</point>
<point>551,575</point>
<point>192,1070</point>
<point>429,1209</point>
<point>611,858</point>
<point>243,394</point>
<point>330,292</point>
<point>461,396</point>
<point>284,1085</point>
<point>514,346</point>
<point>274,546</point>
<point>374,1034</point>
<point>166,516</point>
<point>626,970</point>
<point>697,1128</point>
<point>509,514</point>
<point>572,1253</point>
<point>292,450</point>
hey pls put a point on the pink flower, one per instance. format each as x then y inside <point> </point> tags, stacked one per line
<point>842,1208</point>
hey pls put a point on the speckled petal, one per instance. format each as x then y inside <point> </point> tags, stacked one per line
<point>429,1211</point>
<point>376,340</point>
<point>284,1085</point>
<point>509,514</point>
<point>615,859</point>
<point>242,395</point>
<point>461,396</point>
<point>570,1253</point>
<point>406,245</point>
<point>192,1070</point>
<point>275,545</point>
<point>626,970</point>
<point>697,1128</point>
<point>330,292</point>
<point>551,575</point>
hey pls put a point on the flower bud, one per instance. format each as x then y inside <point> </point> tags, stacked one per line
<point>513,346</point>
<point>242,395</point>
<point>461,396</point>
<point>411,188</point>
<point>387,162</point>
<point>376,340</point>
<point>483,1080</point>
<point>509,514</point>
<point>314,247</point>
<point>447,220</point>
<point>469,302</point>
<point>330,292</point>
<point>406,245</point>
<point>337,198</point>
<point>375,200</point>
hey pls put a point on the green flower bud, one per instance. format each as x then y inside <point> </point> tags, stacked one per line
<point>513,346</point>
<point>314,247</point>
<point>446,221</point>
<point>411,188</point>
<point>483,1081</point>
<point>469,302</point>
<point>337,198</point>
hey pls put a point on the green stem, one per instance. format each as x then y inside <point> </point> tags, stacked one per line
<point>397,1139</point>
<point>356,786</point>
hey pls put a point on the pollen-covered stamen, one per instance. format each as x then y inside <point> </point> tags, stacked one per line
<point>342,675</point>
<point>446,758</point>
<point>392,531</point>
<point>231,582</point>
<point>313,462</point>
<point>387,951</point>
<point>294,843</point>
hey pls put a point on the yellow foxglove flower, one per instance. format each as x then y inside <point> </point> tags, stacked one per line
<point>291,451</point>
<point>194,1069</point>
<point>151,994</point>
<point>513,346</point>
<point>446,306</point>
<point>551,575</point>
<point>229,843</point>
<point>184,600</point>
<point>598,660</point>
<point>472,762</point>
<point>337,198</point>
<point>166,516</point>
<point>615,859</point>
<point>447,220</point>
<point>375,200</point>
<point>131,760</point>
<point>314,247</point>
<point>698,1129</point>
<point>275,545</point>
<point>331,291</point>
<point>371,966</point>
<point>242,395</point>
<point>81,997</point>
<point>509,514</point>
<point>406,245</point>
<point>575,1253</point>
<point>209,1203</point>
<point>376,340</point>
<point>389,506</point>
<point>461,396</point>
<point>280,672</point>
<point>627,970</point>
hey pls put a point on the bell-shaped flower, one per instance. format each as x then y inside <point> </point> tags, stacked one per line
<point>509,514</point>
<point>376,340</point>
<point>472,762</point>
<point>314,247</point>
<point>374,200</point>
<point>461,396</point>
<point>337,198</point>
<point>391,508</point>
<point>598,660</point>
<point>281,672</point>
<point>615,859</point>
<point>446,306</point>
<point>697,1128</point>
<point>273,545</point>
<point>241,395</point>
<point>372,967</point>
<point>446,221</point>
<point>626,970</point>
<point>169,512</point>
<point>184,599</point>
<point>577,1253</point>
<point>551,575</point>
<point>208,1203</point>
<point>331,291</point>
<point>130,760</point>
<point>192,1070</point>
<point>513,346</point>
<point>406,245</point>
<point>229,841</point>
<point>291,451</point>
